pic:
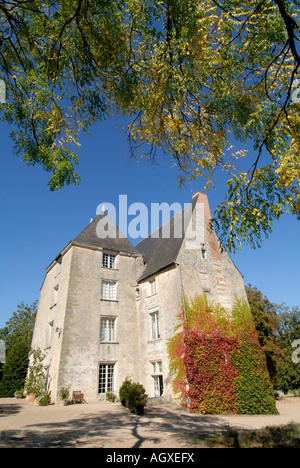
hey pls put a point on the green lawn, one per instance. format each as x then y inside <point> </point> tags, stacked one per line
<point>287,436</point>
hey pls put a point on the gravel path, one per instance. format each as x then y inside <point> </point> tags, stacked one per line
<point>109,425</point>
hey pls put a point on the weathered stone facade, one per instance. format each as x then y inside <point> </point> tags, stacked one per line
<point>107,308</point>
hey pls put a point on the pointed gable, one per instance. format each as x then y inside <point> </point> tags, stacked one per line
<point>160,251</point>
<point>103,232</point>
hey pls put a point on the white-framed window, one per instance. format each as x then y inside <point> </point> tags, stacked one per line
<point>157,376</point>
<point>153,288</point>
<point>158,385</point>
<point>155,325</point>
<point>109,290</point>
<point>108,260</point>
<point>107,331</point>
<point>156,367</point>
<point>106,378</point>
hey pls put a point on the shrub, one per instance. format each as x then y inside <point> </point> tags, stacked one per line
<point>133,395</point>
<point>253,384</point>
<point>44,399</point>
<point>19,393</point>
<point>136,396</point>
<point>124,391</point>
<point>64,393</point>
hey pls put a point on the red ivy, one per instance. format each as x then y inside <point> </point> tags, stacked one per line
<point>217,364</point>
<point>210,372</point>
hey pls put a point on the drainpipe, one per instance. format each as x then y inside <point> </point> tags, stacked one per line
<point>182,294</point>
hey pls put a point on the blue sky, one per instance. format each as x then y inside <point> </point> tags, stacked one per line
<point>37,224</point>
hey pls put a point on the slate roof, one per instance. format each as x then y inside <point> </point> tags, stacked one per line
<point>94,234</point>
<point>160,252</point>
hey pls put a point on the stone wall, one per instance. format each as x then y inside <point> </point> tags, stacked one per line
<point>206,268</point>
<point>82,351</point>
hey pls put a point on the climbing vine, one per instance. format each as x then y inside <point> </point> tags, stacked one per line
<point>216,361</point>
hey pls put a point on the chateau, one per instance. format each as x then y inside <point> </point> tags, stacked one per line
<point>107,308</point>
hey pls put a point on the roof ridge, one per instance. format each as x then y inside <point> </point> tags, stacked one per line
<point>168,221</point>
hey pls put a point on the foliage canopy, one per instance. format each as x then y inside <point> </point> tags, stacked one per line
<point>193,78</point>
<point>17,335</point>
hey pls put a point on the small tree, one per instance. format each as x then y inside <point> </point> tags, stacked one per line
<point>17,335</point>
<point>14,370</point>
<point>288,375</point>
<point>266,320</point>
<point>124,391</point>
<point>137,397</point>
<point>36,378</point>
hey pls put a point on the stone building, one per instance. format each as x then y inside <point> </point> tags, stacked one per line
<point>107,308</point>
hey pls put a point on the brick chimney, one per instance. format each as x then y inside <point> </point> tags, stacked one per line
<point>211,235</point>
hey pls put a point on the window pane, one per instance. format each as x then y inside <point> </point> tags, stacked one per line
<point>112,291</point>
<point>110,378</point>
<point>156,386</point>
<point>105,260</point>
<point>108,291</point>
<point>155,325</point>
<point>102,378</point>
<point>107,329</point>
<point>109,261</point>
<point>106,378</point>
<point>152,287</point>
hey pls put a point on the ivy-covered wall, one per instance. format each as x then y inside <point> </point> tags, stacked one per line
<point>216,361</point>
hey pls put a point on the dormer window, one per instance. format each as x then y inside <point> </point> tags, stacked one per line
<point>109,261</point>
<point>54,295</point>
<point>58,266</point>
<point>153,288</point>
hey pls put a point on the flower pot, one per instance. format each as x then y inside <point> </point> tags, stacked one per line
<point>31,397</point>
<point>139,410</point>
<point>63,402</point>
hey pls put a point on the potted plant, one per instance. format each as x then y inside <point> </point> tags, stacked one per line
<point>64,395</point>
<point>111,397</point>
<point>19,393</point>
<point>44,399</point>
<point>36,380</point>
